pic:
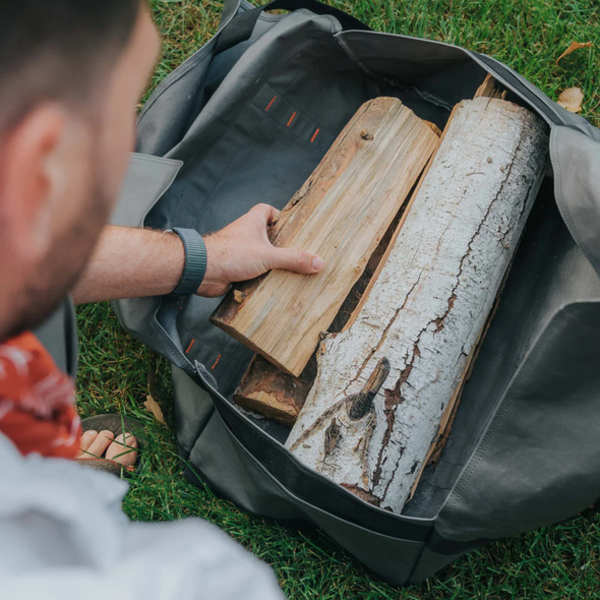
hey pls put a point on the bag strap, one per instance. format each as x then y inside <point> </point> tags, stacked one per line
<point>240,28</point>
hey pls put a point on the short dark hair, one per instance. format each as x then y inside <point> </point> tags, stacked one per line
<point>58,50</point>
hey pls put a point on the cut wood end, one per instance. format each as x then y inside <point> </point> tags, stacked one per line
<point>385,101</point>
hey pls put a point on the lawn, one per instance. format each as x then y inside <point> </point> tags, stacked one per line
<point>557,562</point>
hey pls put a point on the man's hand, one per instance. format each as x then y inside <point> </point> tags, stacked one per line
<point>242,251</point>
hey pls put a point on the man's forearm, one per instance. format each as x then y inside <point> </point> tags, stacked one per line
<point>131,263</point>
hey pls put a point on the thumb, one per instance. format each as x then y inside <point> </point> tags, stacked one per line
<point>298,261</point>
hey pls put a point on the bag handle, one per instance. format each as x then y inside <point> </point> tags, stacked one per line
<point>240,28</point>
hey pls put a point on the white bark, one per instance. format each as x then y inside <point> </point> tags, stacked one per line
<point>426,309</point>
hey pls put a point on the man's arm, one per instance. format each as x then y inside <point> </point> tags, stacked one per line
<point>133,263</point>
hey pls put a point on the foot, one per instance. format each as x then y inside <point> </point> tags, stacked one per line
<point>98,445</point>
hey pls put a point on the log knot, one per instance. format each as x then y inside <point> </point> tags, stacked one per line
<point>360,404</point>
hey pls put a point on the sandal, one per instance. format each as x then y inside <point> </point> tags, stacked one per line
<point>114,423</point>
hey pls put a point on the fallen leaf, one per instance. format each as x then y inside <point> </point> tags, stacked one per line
<point>152,406</point>
<point>571,99</point>
<point>574,46</point>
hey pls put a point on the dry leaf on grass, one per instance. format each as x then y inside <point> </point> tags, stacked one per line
<point>574,46</point>
<point>152,406</point>
<point>571,99</point>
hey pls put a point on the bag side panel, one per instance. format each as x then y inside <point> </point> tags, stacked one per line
<point>576,160</point>
<point>538,462</point>
<point>548,271</point>
<point>442,74</point>
<point>178,99</point>
<point>193,410</point>
<point>146,180</point>
<point>162,122</point>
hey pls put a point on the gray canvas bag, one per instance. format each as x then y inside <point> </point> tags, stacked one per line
<point>524,449</point>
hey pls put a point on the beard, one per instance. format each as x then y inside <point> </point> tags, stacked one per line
<point>64,263</point>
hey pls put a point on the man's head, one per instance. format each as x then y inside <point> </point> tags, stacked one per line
<point>71,73</point>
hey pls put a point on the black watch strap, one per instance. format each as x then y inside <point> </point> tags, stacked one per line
<point>194,268</point>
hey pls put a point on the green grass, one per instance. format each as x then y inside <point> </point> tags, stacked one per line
<point>558,562</point>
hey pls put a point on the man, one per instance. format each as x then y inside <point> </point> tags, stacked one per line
<point>71,74</point>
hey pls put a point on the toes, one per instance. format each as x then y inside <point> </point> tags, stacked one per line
<point>123,450</point>
<point>98,447</point>
<point>87,439</point>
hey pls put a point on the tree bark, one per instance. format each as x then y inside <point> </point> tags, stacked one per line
<point>341,213</point>
<point>383,383</point>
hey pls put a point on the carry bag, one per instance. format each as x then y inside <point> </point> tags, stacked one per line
<point>524,448</point>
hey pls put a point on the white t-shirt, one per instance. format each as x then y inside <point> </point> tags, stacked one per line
<point>63,536</point>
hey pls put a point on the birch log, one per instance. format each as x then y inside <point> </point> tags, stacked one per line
<point>383,383</point>
<point>341,213</point>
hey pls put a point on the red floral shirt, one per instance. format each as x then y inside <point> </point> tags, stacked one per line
<point>37,400</point>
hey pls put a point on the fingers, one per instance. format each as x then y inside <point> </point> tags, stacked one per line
<point>298,261</point>
<point>123,450</point>
<point>99,445</point>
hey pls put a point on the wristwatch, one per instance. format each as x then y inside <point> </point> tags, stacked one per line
<point>194,267</point>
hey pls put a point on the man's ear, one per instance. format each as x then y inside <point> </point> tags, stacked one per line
<point>28,180</point>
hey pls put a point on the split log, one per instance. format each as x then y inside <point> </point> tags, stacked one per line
<point>341,214</point>
<point>383,384</point>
